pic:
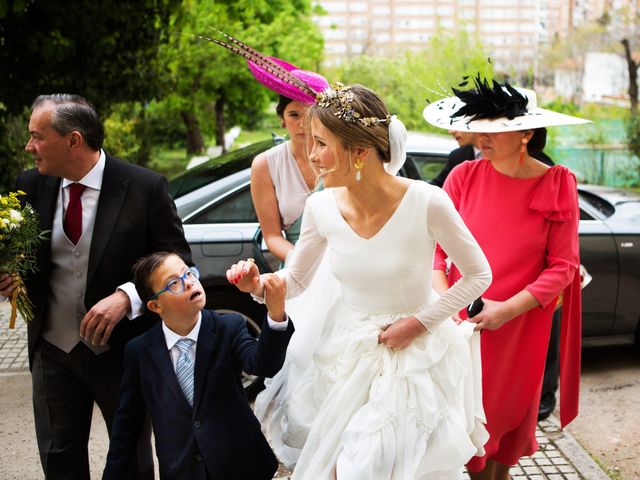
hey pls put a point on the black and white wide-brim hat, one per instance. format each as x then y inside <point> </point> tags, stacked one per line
<point>442,113</point>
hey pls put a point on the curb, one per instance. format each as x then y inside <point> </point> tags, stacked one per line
<point>575,453</point>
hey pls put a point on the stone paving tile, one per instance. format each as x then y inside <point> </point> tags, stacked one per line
<point>13,342</point>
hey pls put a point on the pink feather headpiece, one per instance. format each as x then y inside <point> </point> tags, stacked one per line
<point>275,74</point>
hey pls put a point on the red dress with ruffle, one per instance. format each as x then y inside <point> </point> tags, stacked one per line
<point>528,230</point>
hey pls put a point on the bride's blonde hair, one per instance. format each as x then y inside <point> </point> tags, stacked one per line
<point>369,129</point>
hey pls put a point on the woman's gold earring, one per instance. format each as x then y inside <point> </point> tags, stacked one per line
<point>358,164</point>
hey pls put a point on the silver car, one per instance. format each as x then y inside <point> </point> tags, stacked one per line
<point>214,202</point>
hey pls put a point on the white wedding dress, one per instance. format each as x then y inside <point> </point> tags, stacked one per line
<point>357,409</point>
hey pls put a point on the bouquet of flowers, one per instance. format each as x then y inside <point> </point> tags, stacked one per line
<point>19,238</point>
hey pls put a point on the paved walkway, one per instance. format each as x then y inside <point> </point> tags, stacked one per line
<point>560,456</point>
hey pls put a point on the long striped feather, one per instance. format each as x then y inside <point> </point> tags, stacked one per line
<point>242,49</point>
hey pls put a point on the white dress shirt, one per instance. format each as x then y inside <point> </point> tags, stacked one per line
<point>172,337</point>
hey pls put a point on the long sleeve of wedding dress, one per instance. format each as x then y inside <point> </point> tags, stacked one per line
<point>444,227</point>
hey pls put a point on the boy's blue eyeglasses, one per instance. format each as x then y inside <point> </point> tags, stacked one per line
<point>176,285</point>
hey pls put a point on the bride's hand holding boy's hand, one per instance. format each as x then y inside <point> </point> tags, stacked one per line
<point>246,276</point>
<point>401,333</point>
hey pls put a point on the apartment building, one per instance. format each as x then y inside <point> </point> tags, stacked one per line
<point>511,30</point>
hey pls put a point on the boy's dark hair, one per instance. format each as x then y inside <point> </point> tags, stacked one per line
<point>142,271</point>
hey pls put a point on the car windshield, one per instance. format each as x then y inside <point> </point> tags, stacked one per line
<point>216,169</point>
<point>597,202</point>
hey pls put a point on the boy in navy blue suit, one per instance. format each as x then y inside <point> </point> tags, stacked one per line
<point>186,373</point>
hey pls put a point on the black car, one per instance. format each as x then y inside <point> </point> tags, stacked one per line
<point>214,202</point>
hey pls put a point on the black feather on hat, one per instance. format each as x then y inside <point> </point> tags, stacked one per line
<point>489,102</point>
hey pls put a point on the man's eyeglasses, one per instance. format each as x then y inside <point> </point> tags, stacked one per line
<point>176,285</point>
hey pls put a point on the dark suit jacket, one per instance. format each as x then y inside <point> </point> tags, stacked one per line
<point>462,154</point>
<point>456,157</point>
<point>220,431</point>
<point>135,216</point>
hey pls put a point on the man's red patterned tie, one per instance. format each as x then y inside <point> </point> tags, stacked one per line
<point>73,217</point>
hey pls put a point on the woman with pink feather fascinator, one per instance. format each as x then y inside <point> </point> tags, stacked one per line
<point>282,179</point>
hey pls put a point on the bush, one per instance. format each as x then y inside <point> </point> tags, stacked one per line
<point>633,134</point>
<point>13,158</point>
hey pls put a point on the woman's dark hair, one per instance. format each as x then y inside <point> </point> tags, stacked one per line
<point>74,113</point>
<point>142,271</point>
<point>282,104</point>
<point>538,140</point>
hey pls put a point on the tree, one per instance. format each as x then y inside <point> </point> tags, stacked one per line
<point>407,82</point>
<point>633,123</point>
<point>209,85</point>
<point>105,51</point>
<point>632,66</point>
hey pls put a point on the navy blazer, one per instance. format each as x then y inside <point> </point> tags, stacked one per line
<point>135,216</point>
<point>456,157</point>
<point>220,431</point>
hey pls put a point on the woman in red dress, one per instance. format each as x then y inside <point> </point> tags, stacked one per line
<point>524,215</point>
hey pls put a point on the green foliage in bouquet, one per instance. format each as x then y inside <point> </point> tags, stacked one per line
<point>19,238</point>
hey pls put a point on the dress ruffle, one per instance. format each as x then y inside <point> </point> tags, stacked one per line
<point>378,413</point>
<point>570,351</point>
<point>556,187</point>
<point>556,200</point>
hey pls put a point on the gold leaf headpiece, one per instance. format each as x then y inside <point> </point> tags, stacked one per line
<point>340,97</point>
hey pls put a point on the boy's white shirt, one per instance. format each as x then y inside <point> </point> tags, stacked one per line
<point>171,337</point>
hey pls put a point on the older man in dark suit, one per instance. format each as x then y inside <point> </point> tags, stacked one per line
<point>102,214</point>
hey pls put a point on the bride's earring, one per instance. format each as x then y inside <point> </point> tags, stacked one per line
<point>523,149</point>
<point>358,164</point>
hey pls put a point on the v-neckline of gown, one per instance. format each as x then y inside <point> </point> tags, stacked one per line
<point>383,227</point>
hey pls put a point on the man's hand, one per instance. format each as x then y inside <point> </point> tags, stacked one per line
<point>6,285</point>
<point>401,333</point>
<point>98,324</point>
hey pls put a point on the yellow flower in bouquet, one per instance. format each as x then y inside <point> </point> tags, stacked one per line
<point>19,239</point>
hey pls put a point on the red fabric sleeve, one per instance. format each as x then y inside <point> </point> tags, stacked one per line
<point>557,200</point>
<point>570,351</point>
<point>453,185</point>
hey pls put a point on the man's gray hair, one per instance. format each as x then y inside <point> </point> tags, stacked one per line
<point>74,113</point>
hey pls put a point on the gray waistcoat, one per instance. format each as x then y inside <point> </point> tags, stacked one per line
<point>68,284</point>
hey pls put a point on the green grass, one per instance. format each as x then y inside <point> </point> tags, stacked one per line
<point>168,161</point>
<point>247,137</point>
<point>171,161</point>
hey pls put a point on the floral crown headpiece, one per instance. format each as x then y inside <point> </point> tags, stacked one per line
<point>340,97</point>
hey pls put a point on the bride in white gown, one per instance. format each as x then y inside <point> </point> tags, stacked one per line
<point>393,389</point>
